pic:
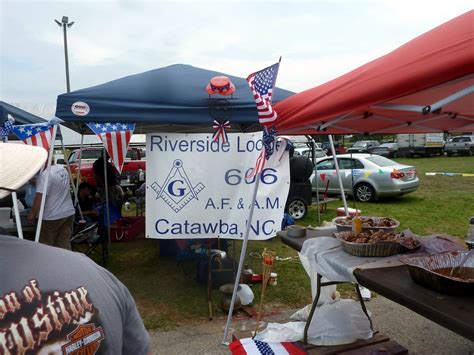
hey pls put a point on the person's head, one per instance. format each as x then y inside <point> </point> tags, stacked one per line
<point>85,189</point>
<point>20,162</point>
<point>99,173</point>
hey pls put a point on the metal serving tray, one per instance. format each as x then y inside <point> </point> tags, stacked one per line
<point>380,248</point>
<point>424,270</point>
<point>348,227</point>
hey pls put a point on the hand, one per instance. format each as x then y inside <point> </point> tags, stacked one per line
<point>31,217</point>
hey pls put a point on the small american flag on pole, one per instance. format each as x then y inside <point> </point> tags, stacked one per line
<point>116,137</point>
<point>261,83</point>
<point>39,134</point>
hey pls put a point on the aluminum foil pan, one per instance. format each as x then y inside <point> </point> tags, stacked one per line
<point>432,271</point>
<point>381,248</point>
<point>341,227</point>
<point>295,231</point>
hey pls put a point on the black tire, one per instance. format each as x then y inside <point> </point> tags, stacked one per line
<point>449,154</point>
<point>297,209</point>
<point>301,168</point>
<point>364,192</point>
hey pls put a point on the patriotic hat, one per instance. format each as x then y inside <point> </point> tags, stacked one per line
<point>20,162</point>
<point>220,85</point>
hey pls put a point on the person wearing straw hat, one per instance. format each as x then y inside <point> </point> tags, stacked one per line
<point>53,300</point>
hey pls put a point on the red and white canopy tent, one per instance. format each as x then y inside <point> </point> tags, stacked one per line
<point>426,85</point>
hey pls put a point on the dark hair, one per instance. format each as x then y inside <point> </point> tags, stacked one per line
<point>84,185</point>
<point>112,176</point>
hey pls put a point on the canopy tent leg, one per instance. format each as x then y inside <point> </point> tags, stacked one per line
<point>243,252</point>
<point>106,186</point>
<point>313,158</point>
<point>343,195</point>
<point>17,215</point>
<point>78,173</point>
<point>74,187</point>
<point>46,181</point>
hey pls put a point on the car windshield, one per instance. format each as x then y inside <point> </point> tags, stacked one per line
<point>360,144</point>
<point>91,154</point>
<point>461,139</point>
<point>318,153</point>
<point>381,161</point>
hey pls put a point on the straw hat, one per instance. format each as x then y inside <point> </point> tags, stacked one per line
<point>19,163</point>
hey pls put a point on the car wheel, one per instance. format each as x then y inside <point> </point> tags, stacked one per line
<point>449,154</point>
<point>364,192</point>
<point>297,209</point>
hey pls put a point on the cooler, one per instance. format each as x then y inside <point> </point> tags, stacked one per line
<point>127,228</point>
<point>341,212</point>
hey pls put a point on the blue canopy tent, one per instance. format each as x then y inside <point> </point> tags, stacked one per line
<point>170,99</point>
<point>20,116</point>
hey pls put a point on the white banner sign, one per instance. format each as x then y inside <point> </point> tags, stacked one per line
<point>196,188</point>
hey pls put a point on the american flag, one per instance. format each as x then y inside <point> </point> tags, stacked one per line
<point>39,134</point>
<point>261,83</point>
<point>115,137</point>
<point>249,346</point>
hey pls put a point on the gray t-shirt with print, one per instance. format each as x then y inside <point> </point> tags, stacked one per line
<point>56,301</point>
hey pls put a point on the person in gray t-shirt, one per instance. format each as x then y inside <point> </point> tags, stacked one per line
<point>53,300</point>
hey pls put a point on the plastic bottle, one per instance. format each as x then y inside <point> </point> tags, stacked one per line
<point>356,225</point>
<point>141,175</point>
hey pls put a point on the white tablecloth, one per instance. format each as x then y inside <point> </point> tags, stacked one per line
<point>326,257</point>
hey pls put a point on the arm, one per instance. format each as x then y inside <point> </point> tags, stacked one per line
<point>35,208</point>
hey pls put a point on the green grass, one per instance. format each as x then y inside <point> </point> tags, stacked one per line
<point>167,294</point>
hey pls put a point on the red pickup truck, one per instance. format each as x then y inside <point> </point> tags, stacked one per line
<point>133,171</point>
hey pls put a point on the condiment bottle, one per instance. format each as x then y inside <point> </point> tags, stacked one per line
<point>356,225</point>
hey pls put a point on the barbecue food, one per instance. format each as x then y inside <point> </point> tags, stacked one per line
<point>370,237</point>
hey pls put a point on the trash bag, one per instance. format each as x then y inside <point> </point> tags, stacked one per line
<point>277,333</point>
<point>341,322</point>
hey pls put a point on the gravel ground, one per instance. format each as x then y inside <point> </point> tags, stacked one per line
<point>418,334</point>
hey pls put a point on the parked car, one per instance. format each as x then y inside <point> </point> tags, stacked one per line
<point>460,145</point>
<point>367,176</point>
<point>363,146</point>
<point>300,193</point>
<point>338,147</point>
<point>389,150</point>
<point>318,152</point>
<point>133,170</point>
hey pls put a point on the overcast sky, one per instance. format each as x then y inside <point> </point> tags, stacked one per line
<point>318,40</point>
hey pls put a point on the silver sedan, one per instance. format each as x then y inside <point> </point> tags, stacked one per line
<point>368,176</point>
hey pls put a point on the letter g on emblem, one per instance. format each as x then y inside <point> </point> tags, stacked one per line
<point>177,190</point>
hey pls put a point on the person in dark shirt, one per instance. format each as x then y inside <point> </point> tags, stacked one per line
<point>86,201</point>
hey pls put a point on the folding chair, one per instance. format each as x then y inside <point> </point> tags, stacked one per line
<point>89,240</point>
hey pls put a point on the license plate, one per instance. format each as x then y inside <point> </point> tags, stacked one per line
<point>410,176</point>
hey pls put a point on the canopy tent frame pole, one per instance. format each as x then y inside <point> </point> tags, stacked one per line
<point>429,108</point>
<point>74,191</point>
<point>106,186</point>
<point>78,172</point>
<point>313,158</point>
<point>451,98</point>
<point>46,182</point>
<point>343,195</point>
<point>243,252</point>
<point>17,215</point>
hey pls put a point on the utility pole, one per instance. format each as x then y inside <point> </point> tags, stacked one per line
<point>65,24</point>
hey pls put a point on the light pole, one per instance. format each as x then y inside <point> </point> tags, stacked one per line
<point>65,24</point>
